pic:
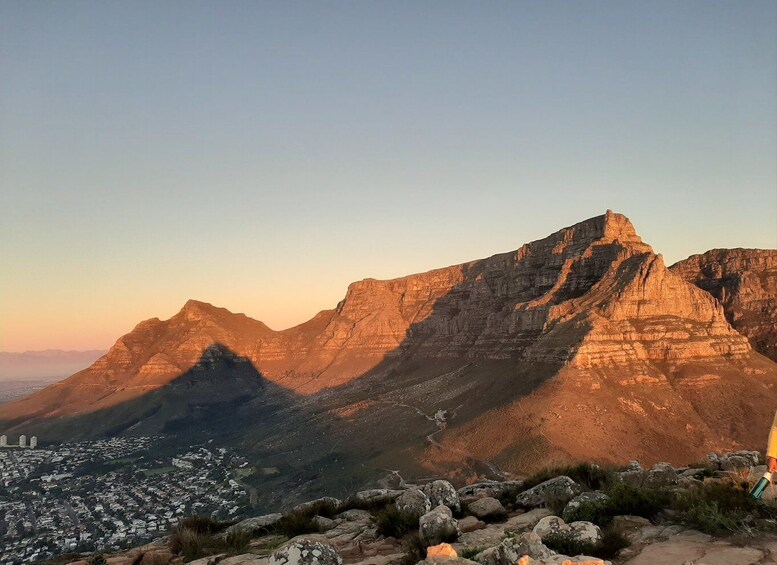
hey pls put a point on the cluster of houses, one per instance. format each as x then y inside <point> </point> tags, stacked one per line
<point>108,495</point>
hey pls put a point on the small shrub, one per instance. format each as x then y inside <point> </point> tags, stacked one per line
<point>718,507</point>
<point>97,559</point>
<point>325,508</point>
<point>203,524</point>
<point>470,552</point>
<point>591,476</point>
<point>599,512</point>
<point>370,506</point>
<point>415,549</point>
<point>611,543</point>
<point>237,540</point>
<point>393,523</point>
<point>507,497</point>
<point>561,544</point>
<point>297,523</point>
<point>636,501</point>
<point>188,543</point>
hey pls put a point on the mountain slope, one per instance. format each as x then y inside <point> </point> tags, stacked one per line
<point>745,282</point>
<point>579,345</point>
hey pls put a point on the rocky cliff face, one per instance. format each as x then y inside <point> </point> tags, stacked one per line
<point>574,345</point>
<point>745,282</point>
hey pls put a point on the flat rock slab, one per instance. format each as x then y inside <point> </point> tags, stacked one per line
<point>682,551</point>
<point>493,534</point>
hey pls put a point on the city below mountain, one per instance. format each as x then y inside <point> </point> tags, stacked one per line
<point>579,346</point>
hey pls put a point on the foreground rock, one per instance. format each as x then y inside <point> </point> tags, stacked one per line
<point>442,492</point>
<point>413,502</point>
<point>577,532</point>
<point>552,490</point>
<point>487,509</point>
<point>256,524</point>
<point>511,550</point>
<point>305,552</point>
<point>438,526</point>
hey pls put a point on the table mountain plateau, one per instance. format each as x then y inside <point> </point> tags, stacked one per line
<point>581,345</point>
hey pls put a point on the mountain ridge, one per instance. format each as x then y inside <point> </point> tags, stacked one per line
<point>585,329</point>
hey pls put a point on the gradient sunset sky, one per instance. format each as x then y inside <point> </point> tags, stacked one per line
<point>262,155</point>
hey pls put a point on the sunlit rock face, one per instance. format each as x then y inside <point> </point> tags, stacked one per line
<point>745,282</point>
<point>583,330</point>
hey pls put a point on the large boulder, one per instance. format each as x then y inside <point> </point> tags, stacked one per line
<point>572,509</point>
<point>302,551</point>
<point>548,526</point>
<point>634,474</point>
<point>552,490</point>
<point>413,502</point>
<point>438,526</point>
<point>497,489</point>
<point>374,496</point>
<point>442,492</point>
<point>661,475</point>
<point>487,509</point>
<point>470,524</point>
<point>512,549</point>
<point>329,503</point>
<point>256,524</point>
<point>576,532</point>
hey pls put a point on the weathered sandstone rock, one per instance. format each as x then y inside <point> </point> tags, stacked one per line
<point>305,552</point>
<point>487,509</point>
<point>557,488</point>
<point>442,492</point>
<point>438,526</point>
<point>413,502</point>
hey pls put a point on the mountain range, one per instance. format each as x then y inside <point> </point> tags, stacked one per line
<point>45,364</point>
<point>581,345</point>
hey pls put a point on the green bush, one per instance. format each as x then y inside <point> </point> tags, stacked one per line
<point>414,549</point>
<point>718,507</point>
<point>325,508</point>
<point>188,543</point>
<point>636,501</point>
<point>203,524</point>
<point>393,523</point>
<point>97,559</point>
<point>591,476</point>
<point>624,499</point>
<point>297,523</point>
<point>237,540</point>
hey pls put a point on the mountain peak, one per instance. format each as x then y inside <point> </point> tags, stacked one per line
<point>197,310</point>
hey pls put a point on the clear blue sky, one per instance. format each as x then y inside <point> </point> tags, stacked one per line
<point>261,155</point>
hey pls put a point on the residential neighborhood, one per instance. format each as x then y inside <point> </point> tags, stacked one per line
<point>108,494</point>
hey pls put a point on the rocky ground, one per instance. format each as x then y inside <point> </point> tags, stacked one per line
<point>664,515</point>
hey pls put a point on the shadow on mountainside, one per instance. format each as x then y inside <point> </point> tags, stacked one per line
<point>225,398</point>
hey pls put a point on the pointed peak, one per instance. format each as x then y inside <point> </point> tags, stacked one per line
<point>196,310</point>
<point>608,228</point>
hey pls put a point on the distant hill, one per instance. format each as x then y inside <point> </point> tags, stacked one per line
<point>46,364</point>
<point>581,345</point>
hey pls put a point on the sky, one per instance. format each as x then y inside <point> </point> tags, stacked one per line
<point>262,155</point>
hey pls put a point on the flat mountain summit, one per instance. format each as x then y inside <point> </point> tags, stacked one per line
<point>581,345</point>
